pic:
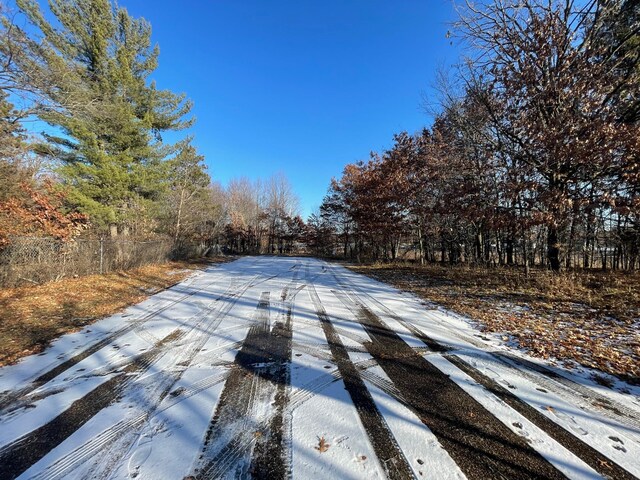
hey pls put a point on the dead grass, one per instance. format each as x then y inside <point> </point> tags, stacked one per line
<point>33,316</point>
<point>591,318</point>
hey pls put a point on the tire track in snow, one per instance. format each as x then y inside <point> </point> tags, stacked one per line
<point>481,445</point>
<point>384,443</point>
<point>554,381</point>
<point>309,389</point>
<point>605,406</point>
<point>98,443</point>
<point>272,452</point>
<point>8,401</point>
<point>201,330</point>
<point>550,380</point>
<point>252,379</point>
<point>543,376</point>
<point>18,456</point>
<point>35,391</point>
<point>237,447</point>
<point>596,460</point>
<point>263,365</point>
<point>108,448</point>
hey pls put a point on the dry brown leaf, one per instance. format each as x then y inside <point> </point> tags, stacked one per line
<point>604,463</point>
<point>323,446</point>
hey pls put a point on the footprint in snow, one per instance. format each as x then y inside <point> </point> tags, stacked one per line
<point>177,391</point>
<point>619,447</point>
<point>138,458</point>
<point>521,431</point>
<point>573,425</point>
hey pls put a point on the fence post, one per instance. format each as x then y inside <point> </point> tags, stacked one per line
<point>101,253</point>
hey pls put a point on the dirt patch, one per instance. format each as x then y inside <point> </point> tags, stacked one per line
<point>590,318</point>
<point>33,316</point>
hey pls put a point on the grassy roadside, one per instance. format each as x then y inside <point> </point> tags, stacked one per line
<point>33,316</point>
<point>590,318</point>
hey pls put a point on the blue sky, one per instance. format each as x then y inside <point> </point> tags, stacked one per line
<point>299,87</point>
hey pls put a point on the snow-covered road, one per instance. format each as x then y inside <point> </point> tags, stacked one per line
<point>293,367</point>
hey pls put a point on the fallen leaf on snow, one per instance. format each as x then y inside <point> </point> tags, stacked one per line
<point>323,446</point>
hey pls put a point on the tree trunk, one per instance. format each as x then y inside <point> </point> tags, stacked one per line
<point>421,245</point>
<point>478,245</point>
<point>586,256</point>
<point>525,247</point>
<point>499,251</point>
<point>345,246</point>
<point>509,249</point>
<point>553,248</point>
<point>179,216</point>
<point>572,236</point>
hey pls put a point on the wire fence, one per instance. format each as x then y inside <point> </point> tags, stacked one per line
<point>38,260</point>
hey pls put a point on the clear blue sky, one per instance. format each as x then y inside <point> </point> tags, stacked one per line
<point>300,87</point>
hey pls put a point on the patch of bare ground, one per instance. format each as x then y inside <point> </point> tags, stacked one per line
<point>33,316</point>
<point>590,318</point>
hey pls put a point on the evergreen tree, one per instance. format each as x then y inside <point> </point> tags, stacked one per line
<point>187,202</point>
<point>12,149</point>
<point>93,71</point>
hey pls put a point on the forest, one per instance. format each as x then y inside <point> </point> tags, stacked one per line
<point>532,159</point>
<point>533,156</point>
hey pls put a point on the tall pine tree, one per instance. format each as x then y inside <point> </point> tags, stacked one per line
<point>92,69</point>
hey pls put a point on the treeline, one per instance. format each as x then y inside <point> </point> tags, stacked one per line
<point>533,157</point>
<point>262,217</point>
<point>103,168</point>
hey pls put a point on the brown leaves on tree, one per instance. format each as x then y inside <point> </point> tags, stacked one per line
<point>38,212</point>
<point>534,161</point>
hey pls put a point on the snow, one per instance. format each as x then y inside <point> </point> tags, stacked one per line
<point>560,457</point>
<point>157,426</point>
<point>322,409</point>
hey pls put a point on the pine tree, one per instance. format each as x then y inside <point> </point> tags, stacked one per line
<point>12,149</point>
<point>188,199</point>
<point>93,74</point>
